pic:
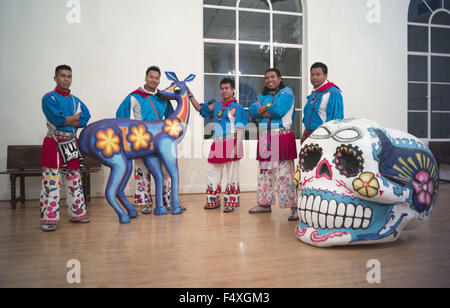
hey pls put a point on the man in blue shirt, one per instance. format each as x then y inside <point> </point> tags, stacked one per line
<point>229,119</point>
<point>65,113</point>
<point>146,105</point>
<point>324,104</point>
<point>276,145</point>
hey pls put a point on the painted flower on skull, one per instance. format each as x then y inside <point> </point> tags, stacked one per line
<point>366,185</point>
<point>423,187</point>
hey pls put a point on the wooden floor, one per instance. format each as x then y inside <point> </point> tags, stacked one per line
<point>211,249</point>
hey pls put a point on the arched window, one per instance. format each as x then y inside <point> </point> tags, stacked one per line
<point>243,38</point>
<point>429,69</point>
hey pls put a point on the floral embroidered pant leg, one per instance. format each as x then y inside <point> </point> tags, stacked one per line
<point>167,186</point>
<point>287,192</point>
<point>266,186</point>
<point>75,196</point>
<point>232,191</point>
<point>213,180</point>
<point>281,177</point>
<point>143,188</point>
<point>50,196</point>
<point>142,193</point>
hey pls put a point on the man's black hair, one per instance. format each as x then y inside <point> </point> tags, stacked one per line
<point>62,67</point>
<point>153,68</point>
<point>228,81</point>
<point>320,65</point>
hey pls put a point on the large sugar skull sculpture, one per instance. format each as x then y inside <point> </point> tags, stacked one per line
<point>363,184</point>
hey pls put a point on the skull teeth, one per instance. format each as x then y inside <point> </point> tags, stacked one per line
<point>324,214</point>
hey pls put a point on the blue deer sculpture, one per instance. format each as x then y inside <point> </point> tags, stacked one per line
<point>117,142</point>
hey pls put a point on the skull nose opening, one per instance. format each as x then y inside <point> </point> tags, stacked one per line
<point>324,170</point>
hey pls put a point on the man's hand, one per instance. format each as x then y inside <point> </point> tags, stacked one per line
<point>189,91</point>
<point>73,121</point>
<point>233,112</point>
<point>239,138</point>
<point>262,110</point>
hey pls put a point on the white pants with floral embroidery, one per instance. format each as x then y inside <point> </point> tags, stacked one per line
<point>50,196</point>
<point>214,174</point>
<point>143,187</point>
<point>282,177</point>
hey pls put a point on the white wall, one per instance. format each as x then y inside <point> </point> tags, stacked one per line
<point>117,40</point>
<point>367,60</point>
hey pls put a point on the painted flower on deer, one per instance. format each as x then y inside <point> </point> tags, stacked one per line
<point>173,128</point>
<point>108,141</point>
<point>139,137</point>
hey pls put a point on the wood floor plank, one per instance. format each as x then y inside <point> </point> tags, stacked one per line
<point>208,248</point>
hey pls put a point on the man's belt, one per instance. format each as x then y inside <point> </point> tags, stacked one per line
<point>226,137</point>
<point>60,133</point>
<point>278,131</point>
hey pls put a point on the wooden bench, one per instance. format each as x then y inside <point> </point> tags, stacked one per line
<point>441,151</point>
<point>25,160</point>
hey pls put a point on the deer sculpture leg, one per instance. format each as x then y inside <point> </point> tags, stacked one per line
<point>118,165</point>
<point>153,165</point>
<point>168,151</point>
<point>121,193</point>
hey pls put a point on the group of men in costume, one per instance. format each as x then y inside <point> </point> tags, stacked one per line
<point>274,109</point>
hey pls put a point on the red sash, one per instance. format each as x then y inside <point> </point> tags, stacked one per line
<point>222,152</point>
<point>282,147</point>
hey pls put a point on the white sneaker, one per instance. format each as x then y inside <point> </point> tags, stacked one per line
<point>48,228</point>
<point>147,210</point>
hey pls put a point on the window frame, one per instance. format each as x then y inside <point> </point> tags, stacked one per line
<point>237,75</point>
<point>428,54</point>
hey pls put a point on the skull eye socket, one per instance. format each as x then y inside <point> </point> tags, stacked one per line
<point>349,160</point>
<point>310,156</point>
